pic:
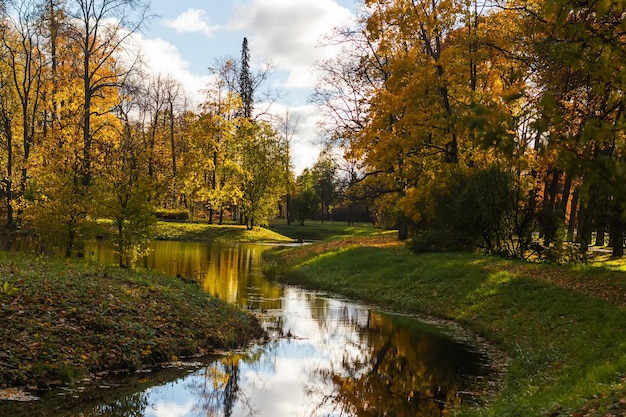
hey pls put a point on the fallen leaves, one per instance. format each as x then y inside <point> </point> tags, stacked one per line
<point>68,319</point>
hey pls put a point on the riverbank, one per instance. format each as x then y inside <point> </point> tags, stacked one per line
<point>63,320</point>
<point>204,232</point>
<point>562,327</point>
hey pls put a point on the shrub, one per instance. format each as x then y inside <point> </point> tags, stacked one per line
<point>172,215</point>
<point>479,209</point>
<point>439,241</point>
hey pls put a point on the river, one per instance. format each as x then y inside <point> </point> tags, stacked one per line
<point>326,356</point>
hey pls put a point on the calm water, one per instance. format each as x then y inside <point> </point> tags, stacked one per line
<point>326,357</point>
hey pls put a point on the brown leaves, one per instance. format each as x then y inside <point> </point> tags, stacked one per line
<point>85,318</point>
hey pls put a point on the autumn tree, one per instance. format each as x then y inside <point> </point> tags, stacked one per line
<point>86,45</point>
<point>217,125</point>
<point>24,70</point>
<point>7,110</point>
<point>100,29</point>
<point>430,96</point>
<point>262,184</point>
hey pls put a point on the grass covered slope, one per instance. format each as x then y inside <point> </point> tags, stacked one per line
<point>64,319</point>
<point>563,327</point>
<point>317,230</point>
<point>204,232</point>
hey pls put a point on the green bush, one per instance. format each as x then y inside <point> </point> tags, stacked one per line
<point>439,241</point>
<point>479,209</point>
<point>172,215</point>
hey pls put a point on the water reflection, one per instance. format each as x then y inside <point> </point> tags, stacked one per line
<point>333,358</point>
<point>327,357</point>
<point>231,272</point>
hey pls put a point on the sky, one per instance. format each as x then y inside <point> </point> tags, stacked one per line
<point>186,37</point>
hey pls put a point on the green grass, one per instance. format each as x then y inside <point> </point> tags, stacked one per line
<point>562,327</point>
<point>316,230</point>
<point>203,232</point>
<point>63,319</point>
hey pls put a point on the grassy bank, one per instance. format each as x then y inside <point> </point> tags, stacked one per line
<point>204,232</point>
<point>563,327</point>
<point>62,320</point>
<point>314,230</point>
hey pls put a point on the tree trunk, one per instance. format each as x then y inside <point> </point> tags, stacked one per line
<point>573,211</point>
<point>602,216</point>
<point>617,231</point>
<point>584,228</point>
<point>600,233</point>
<point>567,186</point>
<point>288,209</point>
<point>87,92</point>
<point>553,189</point>
<point>403,228</point>
<point>8,183</point>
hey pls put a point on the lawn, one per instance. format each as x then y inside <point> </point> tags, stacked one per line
<point>204,232</point>
<point>562,327</point>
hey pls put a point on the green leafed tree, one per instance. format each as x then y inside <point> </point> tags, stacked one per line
<point>325,183</point>
<point>305,202</point>
<point>126,188</point>
<point>262,183</point>
<point>580,53</point>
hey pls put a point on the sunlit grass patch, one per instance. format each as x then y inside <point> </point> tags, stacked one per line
<point>491,285</point>
<point>562,326</point>
<point>203,232</point>
<point>314,230</point>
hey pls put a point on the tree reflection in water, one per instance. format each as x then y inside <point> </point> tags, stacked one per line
<point>326,357</point>
<point>374,364</point>
<point>130,406</point>
<point>398,370</point>
<point>218,391</point>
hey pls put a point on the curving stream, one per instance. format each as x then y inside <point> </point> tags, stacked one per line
<point>326,356</point>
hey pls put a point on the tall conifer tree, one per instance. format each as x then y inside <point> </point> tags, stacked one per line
<point>246,88</point>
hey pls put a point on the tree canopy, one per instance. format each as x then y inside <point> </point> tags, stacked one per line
<point>88,134</point>
<point>461,123</point>
<point>525,97</point>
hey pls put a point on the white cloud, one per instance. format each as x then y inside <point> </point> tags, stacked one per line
<point>287,33</point>
<point>305,146</point>
<point>192,21</point>
<point>165,409</point>
<point>161,57</point>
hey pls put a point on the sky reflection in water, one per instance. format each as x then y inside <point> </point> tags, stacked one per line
<point>326,357</point>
